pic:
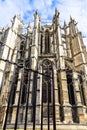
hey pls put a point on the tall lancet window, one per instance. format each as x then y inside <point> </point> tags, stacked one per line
<point>47,42</point>
<point>41,44</point>
<point>47,89</point>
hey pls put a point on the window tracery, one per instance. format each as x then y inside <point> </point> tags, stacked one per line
<point>47,93</point>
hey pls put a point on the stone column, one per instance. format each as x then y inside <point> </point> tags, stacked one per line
<point>78,97</point>
<point>16,97</point>
<point>34,47</point>
<point>57,106</point>
<point>51,41</point>
<point>27,48</point>
<point>55,46</point>
<point>34,56</point>
<point>85,94</point>
<point>67,40</point>
<point>39,43</point>
<point>9,80</point>
<point>3,67</point>
<point>43,46</point>
<point>85,88</point>
<point>38,100</point>
<point>65,97</point>
<point>63,80</point>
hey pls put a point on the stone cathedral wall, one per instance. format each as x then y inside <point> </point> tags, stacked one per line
<point>43,76</point>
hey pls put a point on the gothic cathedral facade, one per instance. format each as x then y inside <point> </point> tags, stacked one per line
<point>43,76</point>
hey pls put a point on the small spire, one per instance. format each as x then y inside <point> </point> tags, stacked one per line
<point>71,18</point>
<point>64,24</point>
<point>56,12</point>
<point>36,12</point>
<point>28,25</point>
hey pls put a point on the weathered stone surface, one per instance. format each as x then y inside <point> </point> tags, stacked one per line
<point>43,76</point>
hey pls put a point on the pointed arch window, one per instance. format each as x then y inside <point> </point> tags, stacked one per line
<point>47,42</point>
<point>41,49</point>
<point>70,88</point>
<point>47,82</point>
<point>47,92</point>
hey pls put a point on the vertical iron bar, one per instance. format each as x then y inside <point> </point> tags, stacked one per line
<point>54,122</point>
<point>48,103</point>
<point>42,102</point>
<point>28,87</point>
<point>34,98</point>
<point>42,113</point>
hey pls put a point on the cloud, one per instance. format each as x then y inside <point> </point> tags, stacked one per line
<point>76,8</point>
<point>9,8</point>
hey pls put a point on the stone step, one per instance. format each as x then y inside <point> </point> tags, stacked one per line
<point>58,127</point>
